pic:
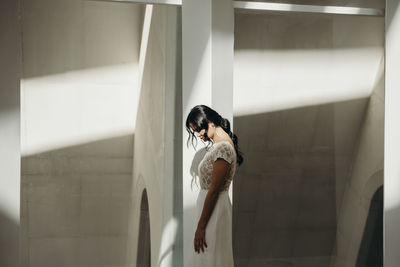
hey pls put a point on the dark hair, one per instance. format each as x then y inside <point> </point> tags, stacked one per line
<point>199,116</point>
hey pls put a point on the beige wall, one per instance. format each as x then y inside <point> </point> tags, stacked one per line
<point>392,133</point>
<point>10,74</point>
<point>363,181</point>
<point>79,91</point>
<point>355,3</point>
<point>157,145</point>
<point>77,172</point>
<point>301,93</point>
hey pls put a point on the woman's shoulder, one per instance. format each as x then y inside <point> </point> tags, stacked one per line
<point>223,149</point>
<point>225,143</point>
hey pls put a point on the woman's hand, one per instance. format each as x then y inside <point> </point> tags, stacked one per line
<point>200,239</point>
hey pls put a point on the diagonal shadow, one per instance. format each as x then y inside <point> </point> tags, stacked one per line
<point>75,204</point>
<point>63,36</point>
<point>287,191</point>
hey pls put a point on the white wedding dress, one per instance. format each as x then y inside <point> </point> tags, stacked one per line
<point>219,227</point>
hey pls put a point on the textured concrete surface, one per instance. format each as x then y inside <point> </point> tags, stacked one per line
<point>75,204</point>
<point>392,132</point>
<point>300,152</point>
<point>79,70</point>
<point>365,177</point>
<point>293,188</point>
<point>157,144</point>
<point>355,3</point>
<point>10,138</point>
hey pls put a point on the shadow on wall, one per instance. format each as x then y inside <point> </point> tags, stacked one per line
<point>194,167</point>
<point>144,247</point>
<point>287,192</point>
<point>390,15</point>
<point>73,35</point>
<point>75,204</point>
<point>371,249</point>
<point>9,232</point>
<point>275,31</point>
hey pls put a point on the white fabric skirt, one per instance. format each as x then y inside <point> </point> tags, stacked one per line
<point>218,234</point>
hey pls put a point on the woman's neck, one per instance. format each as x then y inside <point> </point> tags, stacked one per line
<point>220,135</point>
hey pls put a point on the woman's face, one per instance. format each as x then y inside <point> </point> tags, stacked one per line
<point>200,134</point>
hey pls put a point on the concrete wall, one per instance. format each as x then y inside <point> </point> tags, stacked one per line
<point>157,148</point>
<point>313,77</point>
<point>79,102</point>
<point>355,3</point>
<point>365,177</point>
<point>10,74</point>
<point>77,165</point>
<point>392,133</point>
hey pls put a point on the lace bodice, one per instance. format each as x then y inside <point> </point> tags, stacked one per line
<point>224,150</point>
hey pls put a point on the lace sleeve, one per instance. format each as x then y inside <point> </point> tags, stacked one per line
<point>224,151</point>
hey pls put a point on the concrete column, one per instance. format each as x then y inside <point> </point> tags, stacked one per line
<point>392,137</point>
<point>10,65</point>
<point>207,51</point>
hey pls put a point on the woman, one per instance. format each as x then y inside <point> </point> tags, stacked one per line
<point>213,236</point>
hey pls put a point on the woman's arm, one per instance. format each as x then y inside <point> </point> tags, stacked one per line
<point>220,170</point>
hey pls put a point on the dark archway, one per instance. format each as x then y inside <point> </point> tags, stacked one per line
<point>144,248</point>
<point>371,248</point>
